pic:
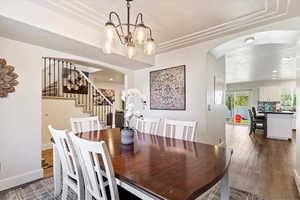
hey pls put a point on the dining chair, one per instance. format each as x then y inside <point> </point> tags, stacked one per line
<point>184,130</point>
<point>147,125</point>
<point>256,123</point>
<point>71,171</point>
<point>255,115</point>
<point>81,125</point>
<point>98,172</point>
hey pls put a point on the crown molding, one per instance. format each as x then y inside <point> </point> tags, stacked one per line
<point>273,9</point>
<point>78,9</point>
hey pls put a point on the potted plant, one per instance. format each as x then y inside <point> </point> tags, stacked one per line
<point>134,104</point>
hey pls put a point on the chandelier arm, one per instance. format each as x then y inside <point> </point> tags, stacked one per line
<point>150,30</point>
<point>137,18</point>
<point>111,14</point>
<point>120,38</point>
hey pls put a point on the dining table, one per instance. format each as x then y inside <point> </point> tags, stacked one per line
<point>161,168</point>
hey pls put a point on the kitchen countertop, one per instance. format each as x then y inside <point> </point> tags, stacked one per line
<point>278,112</point>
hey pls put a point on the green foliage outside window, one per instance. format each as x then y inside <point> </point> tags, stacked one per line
<point>288,97</point>
<point>286,100</point>
<point>241,101</point>
<point>229,102</point>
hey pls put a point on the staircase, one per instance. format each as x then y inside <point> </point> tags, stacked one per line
<point>61,79</point>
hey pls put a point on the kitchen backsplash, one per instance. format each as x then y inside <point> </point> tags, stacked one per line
<point>267,106</point>
<point>272,106</point>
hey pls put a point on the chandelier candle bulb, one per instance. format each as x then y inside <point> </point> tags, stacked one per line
<point>108,44</point>
<point>150,47</point>
<point>109,31</point>
<point>141,34</point>
<point>130,51</point>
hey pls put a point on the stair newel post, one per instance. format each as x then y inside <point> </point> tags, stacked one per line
<point>113,115</point>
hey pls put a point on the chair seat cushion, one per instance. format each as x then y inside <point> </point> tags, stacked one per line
<point>260,117</point>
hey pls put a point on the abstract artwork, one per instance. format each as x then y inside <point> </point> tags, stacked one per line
<point>167,89</point>
<point>7,78</point>
<point>108,93</point>
<point>73,82</point>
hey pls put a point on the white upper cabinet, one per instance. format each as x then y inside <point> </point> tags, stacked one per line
<point>269,93</point>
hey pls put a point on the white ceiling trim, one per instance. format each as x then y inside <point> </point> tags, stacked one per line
<point>76,8</point>
<point>270,12</point>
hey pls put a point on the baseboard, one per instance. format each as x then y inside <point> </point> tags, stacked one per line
<point>297,180</point>
<point>47,146</point>
<point>21,179</point>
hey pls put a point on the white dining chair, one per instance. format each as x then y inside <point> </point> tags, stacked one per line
<point>184,130</point>
<point>147,125</point>
<point>72,176</point>
<point>97,167</point>
<point>81,125</point>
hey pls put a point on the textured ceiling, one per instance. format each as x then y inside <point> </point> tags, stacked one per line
<point>261,62</point>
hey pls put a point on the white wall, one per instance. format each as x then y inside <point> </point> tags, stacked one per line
<point>297,170</point>
<point>57,112</point>
<point>195,85</point>
<point>21,113</point>
<point>20,119</point>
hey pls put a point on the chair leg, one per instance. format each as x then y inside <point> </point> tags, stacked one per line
<point>64,194</point>
<point>80,193</point>
<point>88,196</point>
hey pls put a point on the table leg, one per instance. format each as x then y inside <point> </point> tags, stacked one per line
<point>225,193</point>
<point>57,170</point>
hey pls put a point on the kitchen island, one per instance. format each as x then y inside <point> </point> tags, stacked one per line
<point>279,125</point>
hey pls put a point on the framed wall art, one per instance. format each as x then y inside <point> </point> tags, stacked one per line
<point>168,89</point>
<point>73,82</point>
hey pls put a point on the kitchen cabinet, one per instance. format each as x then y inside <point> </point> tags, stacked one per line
<point>269,94</point>
<point>294,122</point>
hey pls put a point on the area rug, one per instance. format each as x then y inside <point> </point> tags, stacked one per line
<point>43,190</point>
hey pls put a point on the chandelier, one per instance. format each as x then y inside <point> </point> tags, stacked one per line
<point>133,35</point>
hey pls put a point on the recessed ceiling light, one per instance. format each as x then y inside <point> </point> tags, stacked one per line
<point>274,71</point>
<point>111,79</point>
<point>249,40</point>
<point>289,58</point>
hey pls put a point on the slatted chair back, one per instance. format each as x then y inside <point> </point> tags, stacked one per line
<point>97,167</point>
<point>81,125</point>
<point>185,130</point>
<point>147,125</point>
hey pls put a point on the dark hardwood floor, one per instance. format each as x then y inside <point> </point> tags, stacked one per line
<point>261,166</point>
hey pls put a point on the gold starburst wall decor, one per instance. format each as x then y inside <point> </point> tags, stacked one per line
<point>7,78</point>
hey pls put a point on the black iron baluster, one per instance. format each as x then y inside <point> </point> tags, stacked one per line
<point>45,63</point>
<point>49,74</point>
<point>58,78</point>
<point>63,71</point>
<point>54,84</point>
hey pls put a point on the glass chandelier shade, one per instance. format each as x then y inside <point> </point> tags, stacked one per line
<point>141,34</point>
<point>130,35</point>
<point>149,48</point>
<point>130,51</point>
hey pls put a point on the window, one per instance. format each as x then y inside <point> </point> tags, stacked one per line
<point>288,97</point>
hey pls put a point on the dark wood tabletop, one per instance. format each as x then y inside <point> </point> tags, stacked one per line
<point>164,167</point>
